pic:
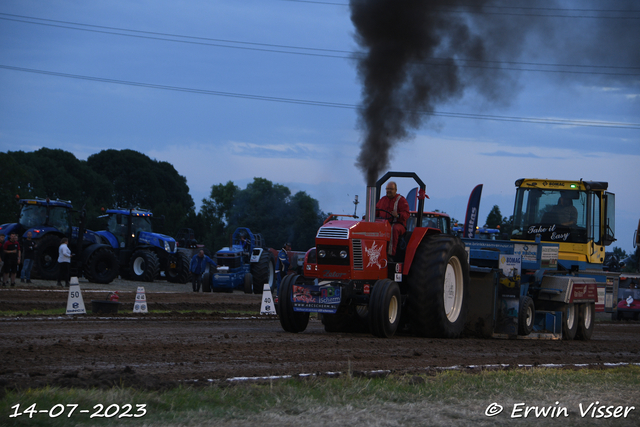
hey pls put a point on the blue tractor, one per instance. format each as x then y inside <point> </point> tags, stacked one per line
<point>51,220</point>
<point>246,265</point>
<point>143,254</point>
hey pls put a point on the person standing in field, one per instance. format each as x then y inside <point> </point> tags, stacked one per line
<point>29,255</point>
<point>64,260</point>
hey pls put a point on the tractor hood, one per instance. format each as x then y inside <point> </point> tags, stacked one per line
<point>159,240</point>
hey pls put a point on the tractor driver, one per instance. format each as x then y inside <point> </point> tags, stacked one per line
<point>397,212</point>
<point>565,213</point>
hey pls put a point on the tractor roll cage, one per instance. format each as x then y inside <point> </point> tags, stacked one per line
<point>416,178</point>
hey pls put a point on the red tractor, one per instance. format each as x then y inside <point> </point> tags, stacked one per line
<point>358,287</point>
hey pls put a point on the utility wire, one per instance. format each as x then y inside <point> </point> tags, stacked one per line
<point>547,121</point>
<point>318,52</point>
<point>482,10</point>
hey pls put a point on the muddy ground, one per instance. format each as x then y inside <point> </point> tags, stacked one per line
<point>207,345</point>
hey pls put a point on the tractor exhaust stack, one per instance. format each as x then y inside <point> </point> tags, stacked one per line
<point>372,199</point>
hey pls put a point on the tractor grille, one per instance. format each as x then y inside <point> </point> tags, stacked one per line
<point>358,263</point>
<point>333,233</point>
<point>229,260</point>
<point>172,246</point>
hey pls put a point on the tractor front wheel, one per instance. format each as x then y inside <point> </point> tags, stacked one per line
<point>438,285</point>
<point>291,321</point>
<point>263,272</point>
<point>384,308</point>
<point>526,315</point>
<point>206,282</point>
<point>144,266</point>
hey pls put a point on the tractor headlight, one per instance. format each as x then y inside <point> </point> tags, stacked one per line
<point>322,253</point>
<point>343,254</point>
<point>166,246</point>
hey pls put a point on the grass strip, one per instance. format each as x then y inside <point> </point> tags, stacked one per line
<point>444,399</point>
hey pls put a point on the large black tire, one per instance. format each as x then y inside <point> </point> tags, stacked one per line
<point>248,283</point>
<point>144,266</point>
<point>384,308</point>
<point>569,322</point>
<point>586,321</point>
<point>438,285</point>
<point>263,271</point>
<point>291,321</point>
<point>526,315</point>
<point>206,282</point>
<point>102,266</point>
<point>180,272</point>
<point>45,264</point>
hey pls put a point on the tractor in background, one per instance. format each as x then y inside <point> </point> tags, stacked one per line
<point>187,243</point>
<point>143,254</point>
<point>548,279</point>
<point>245,265</point>
<point>51,220</point>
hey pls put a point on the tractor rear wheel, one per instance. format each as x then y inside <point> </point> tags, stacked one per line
<point>526,315</point>
<point>438,285</point>
<point>144,266</point>
<point>384,308</point>
<point>263,272</point>
<point>46,258</point>
<point>178,268</point>
<point>291,321</point>
<point>586,319</point>
<point>102,266</point>
<point>570,322</point>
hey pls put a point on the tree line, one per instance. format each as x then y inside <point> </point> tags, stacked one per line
<point>129,179</point>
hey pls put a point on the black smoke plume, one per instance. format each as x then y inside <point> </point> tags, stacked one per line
<point>418,54</point>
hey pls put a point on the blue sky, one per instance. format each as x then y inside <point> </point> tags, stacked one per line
<point>226,110</point>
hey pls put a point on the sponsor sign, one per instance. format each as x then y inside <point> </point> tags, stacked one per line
<point>325,299</point>
<point>511,265</point>
<point>471,218</point>
<point>584,292</point>
<point>549,257</point>
<point>528,253</point>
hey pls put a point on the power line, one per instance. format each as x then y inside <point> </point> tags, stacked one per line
<point>482,10</point>
<point>318,52</point>
<point>548,121</point>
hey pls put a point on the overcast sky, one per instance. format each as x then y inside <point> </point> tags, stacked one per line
<point>236,89</point>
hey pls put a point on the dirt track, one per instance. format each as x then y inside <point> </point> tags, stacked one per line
<point>161,350</point>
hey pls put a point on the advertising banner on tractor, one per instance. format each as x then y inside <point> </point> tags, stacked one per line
<point>315,299</point>
<point>471,218</point>
<point>529,253</point>
<point>510,265</point>
<point>549,257</point>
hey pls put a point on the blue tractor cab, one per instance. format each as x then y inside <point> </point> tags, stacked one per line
<point>245,265</point>
<point>142,253</point>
